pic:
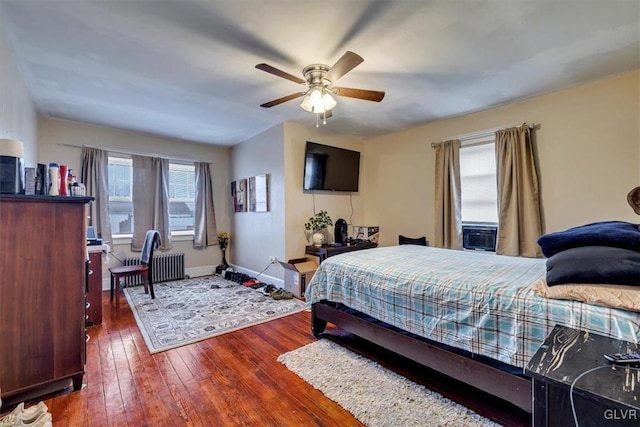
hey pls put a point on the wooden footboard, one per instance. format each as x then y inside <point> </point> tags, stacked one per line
<point>509,387</point>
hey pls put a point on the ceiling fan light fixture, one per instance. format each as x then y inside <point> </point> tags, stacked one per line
<point>328,100</point>
<point>318,100</point>
<point>306,102</point>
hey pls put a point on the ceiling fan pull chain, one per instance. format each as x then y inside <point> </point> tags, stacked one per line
<point>318,120</point>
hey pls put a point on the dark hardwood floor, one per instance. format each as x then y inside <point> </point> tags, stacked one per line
<point>230,380</point>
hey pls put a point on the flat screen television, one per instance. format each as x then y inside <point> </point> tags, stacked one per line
<point>331,168</point>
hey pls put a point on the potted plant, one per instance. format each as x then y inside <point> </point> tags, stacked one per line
<point>317,223</point>
<point>223,243</point>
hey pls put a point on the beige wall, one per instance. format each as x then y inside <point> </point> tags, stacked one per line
<point>18,118</point>
<point>299,205</point>
<point>588,147</point>
<point>279,152</point>
<point>54,133</point>
<point>257,235</point>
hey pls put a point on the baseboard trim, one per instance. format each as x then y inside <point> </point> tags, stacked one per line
<point>206,270</point>
<point>279,283</point>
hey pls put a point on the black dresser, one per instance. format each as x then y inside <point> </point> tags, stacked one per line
<point>325,251</point>
<point>603,394</point>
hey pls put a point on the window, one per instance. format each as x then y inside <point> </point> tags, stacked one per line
<point>479,192</point>
<point>182,193</point>
<point>182,196</point>
<point>120,202</point>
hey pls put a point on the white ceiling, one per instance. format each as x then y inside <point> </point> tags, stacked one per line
<point>185,69</point>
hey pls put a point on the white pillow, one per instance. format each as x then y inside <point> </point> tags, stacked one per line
<point>616,296</point>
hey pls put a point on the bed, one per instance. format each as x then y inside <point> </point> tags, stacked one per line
<point>472,316</point>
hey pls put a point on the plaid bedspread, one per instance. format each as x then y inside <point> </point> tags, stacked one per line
<point>479,302</point>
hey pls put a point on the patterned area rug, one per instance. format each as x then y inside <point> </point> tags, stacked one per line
<point>191,310</point>
<point>376,396</point>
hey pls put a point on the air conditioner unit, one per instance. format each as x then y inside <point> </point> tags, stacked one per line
<point>479,237</point>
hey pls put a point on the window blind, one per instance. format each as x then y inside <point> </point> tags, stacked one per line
<point>478,183</point>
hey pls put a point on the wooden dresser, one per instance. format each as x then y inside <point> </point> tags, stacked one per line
<point>94,285</point>
<point>42,291</point>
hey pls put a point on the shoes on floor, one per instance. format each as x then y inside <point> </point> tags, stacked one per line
<point>7,420</point>
<point>281,294</point>
<point>268,289</point>
<point>33,411</point>
<point>35,416</point>
<point>39,420</point>
<point>250,282</point>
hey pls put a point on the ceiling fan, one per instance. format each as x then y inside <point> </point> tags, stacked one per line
<point>319,78</point>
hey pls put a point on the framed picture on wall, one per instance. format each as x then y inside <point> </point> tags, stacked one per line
<point>239,195</point>
<point>259,193</point>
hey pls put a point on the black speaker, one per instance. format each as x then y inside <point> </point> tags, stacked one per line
<point>42,179</point>
<point>340,230</point>
<point>11,175</point>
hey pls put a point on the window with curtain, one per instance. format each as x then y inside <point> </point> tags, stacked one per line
<point>479,196</point>
<point>181,196</point>
<point>120,201</point>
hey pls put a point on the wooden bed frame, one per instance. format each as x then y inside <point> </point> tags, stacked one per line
<point>507,386</point>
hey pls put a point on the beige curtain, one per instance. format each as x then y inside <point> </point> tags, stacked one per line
<point>94,175</point>
<point>448,215</point>
<point>150,195</point>
<point>519,223</point>
<point>205,231</point>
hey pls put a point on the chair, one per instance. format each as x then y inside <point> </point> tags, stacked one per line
<point>151,242</point>
<point>421,241</point>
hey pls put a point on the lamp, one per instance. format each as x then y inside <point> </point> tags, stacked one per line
<point>318,100</point>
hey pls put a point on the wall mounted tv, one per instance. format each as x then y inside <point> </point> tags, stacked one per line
<point>331,168</point>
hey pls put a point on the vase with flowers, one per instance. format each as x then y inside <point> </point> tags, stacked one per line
<point>316,224</point>
<point>223,243</point>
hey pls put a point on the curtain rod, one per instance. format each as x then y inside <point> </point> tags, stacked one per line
<point>129,152</point>
<point>481,133</point>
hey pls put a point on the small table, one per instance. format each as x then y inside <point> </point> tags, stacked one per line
<point>325,251</point>
<point>603,395</point>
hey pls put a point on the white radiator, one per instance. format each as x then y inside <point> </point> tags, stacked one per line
<point>163,269</point>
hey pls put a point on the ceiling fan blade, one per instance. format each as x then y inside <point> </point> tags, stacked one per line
<point>367,95</point>
<point>346,63</point>
<point>281,100</point>
<point>279,73</point>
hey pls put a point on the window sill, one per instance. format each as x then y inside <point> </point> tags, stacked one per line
<point>479,224</point>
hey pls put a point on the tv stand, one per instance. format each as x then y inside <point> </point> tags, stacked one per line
<point>325,251</point>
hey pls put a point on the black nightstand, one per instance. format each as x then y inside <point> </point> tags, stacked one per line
<point>325,251</point>
<point>603,395</point>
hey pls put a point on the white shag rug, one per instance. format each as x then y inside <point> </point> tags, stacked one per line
<point>376,396</point>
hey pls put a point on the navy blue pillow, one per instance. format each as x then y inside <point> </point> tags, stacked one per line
<point>594,264</point>
<point>619,234</point>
